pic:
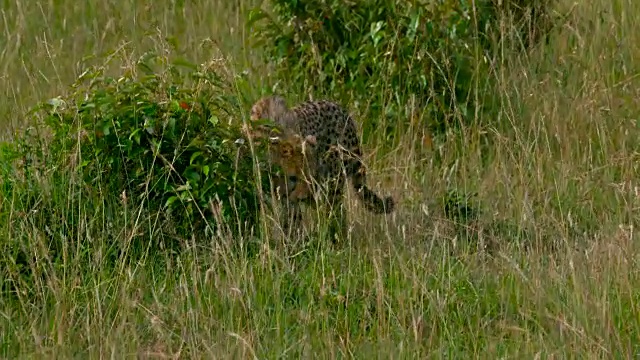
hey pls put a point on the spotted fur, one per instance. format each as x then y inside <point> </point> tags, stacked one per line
<point>335,153</point>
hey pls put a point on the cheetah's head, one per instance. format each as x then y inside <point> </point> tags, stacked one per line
<point>272,108</point>
<point>292,153</point>
<point>269,107</point>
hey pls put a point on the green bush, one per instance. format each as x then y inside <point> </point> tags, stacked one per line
<point>431,54</point>
<point>165,139</point>
<point>155,150</point>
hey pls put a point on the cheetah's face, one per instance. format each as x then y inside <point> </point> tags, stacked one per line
<point>291,152</point>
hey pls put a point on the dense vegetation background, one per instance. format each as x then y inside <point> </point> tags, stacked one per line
<point>132,223</point>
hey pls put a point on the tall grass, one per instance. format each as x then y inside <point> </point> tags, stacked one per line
<point>559,194</point>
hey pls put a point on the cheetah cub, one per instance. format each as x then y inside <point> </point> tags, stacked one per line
<point>333,154</point>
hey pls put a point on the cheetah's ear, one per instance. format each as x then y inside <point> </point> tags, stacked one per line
<point>311,140</point>
<point>308,140</point>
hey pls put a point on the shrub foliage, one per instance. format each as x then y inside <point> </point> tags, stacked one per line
<point>433,54</point>
<point>163,136</point>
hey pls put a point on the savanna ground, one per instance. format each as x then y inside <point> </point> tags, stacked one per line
<point>558,277</point>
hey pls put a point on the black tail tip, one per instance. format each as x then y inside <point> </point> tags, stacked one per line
<point>388,205</point>
<point>375,203</point>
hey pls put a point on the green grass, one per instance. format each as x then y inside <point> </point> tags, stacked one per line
<point>559,192</point>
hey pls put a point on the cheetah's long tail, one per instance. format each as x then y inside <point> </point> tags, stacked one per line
<point>375,203</point>
<point>369,198</point>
